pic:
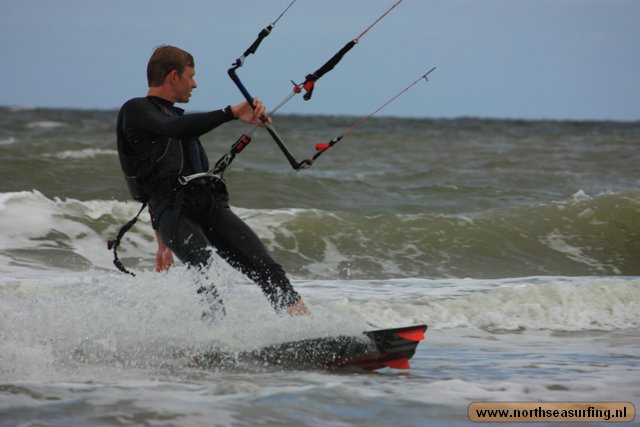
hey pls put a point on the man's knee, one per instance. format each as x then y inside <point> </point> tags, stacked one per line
<point>186,240</point>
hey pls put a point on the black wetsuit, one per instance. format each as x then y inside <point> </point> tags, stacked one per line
<point>157,144</point>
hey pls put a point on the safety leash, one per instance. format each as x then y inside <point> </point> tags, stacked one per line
<point>114,244</point>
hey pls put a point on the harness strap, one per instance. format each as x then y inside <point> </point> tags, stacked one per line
<point>114,244</point>
<point>184,180</point>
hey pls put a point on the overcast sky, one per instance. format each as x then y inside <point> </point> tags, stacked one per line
<point>537,59</point>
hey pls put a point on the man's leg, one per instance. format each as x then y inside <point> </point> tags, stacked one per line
<point>238,244</point>
<point>187,240</point>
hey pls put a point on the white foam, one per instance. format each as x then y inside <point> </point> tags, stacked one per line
<point>580,196</point>
<point>267,222</point>
<point>36,230</point>
<point>31,223</point>
<point>87,153</point>
<point>557,304</point>
<point>111,319</point>
<point>45,124</point>
<point>556,241</point>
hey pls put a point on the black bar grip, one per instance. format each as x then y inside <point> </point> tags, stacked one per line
<point>310,80</point>
<point>328,66</point>
<point>264,33</point>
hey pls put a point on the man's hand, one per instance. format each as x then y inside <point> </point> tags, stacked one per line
<point>164,256</point>
<point>244,112</point>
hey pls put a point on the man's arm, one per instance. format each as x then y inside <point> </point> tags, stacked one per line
<point>141,114</point>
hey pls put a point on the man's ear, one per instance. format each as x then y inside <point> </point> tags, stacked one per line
<point>172,76</point>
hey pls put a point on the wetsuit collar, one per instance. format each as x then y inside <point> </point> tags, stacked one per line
<point>164,103</point>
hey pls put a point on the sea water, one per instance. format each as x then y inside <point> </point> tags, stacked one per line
<point>517,242</point>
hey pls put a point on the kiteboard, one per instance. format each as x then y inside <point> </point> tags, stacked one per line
<point>371,350</point>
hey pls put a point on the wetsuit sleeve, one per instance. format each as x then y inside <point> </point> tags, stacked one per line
<point>144,116</point>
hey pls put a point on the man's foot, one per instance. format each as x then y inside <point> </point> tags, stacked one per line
<point>298,309</point>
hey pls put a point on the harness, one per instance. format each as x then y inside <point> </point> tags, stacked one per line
<point>178,202</point>
<point>139,168</point>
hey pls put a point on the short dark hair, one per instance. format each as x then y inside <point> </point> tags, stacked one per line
<point>165,59</point>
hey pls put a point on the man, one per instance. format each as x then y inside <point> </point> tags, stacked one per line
<point>165,164</point>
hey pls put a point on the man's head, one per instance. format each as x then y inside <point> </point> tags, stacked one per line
<point>170,73</point>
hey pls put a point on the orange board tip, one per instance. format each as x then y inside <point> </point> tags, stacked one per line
<point>413,335</point>
<point>398,364</point>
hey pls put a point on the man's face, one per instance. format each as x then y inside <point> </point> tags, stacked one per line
<point>184,84</point>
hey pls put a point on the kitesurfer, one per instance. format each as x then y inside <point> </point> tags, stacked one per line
<point>165,164</point>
